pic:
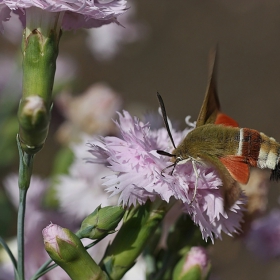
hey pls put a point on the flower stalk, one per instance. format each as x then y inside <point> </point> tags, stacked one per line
<point>20,232</point>
<point>40,49</point>
<point>25,172</point>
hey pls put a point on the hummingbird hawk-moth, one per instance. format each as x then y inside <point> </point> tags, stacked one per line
<point>218,141</point>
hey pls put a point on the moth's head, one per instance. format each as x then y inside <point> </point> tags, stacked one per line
<point>175,158</point>
<point>181,152</point>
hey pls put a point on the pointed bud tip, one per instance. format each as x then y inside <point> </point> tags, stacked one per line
<point>101,222</point>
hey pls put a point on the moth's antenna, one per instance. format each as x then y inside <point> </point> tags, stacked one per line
<point>164,153</point>
<point>164,116</point>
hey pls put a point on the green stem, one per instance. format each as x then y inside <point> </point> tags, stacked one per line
<point>25,172</point>
<point>20,232</point>
<point>47,269</point>
<point>44,269</point>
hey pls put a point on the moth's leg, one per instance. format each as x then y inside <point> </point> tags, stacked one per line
<point>163,170</point>
<point>196,180</point>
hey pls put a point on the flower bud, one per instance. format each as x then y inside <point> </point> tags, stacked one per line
<point>65,249</point>
<point>101,222</point>
<point>193,266</point>
<point>33,122</point>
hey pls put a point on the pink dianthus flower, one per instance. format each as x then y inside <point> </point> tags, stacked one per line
<point>77,13</point>
<point>137,176</point>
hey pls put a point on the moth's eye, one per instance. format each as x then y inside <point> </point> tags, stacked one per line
<point>179,159</point>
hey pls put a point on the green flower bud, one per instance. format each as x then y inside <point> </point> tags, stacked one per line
<point>65,249</point>
<point>101,222</point>
<point>40,49</point>
<point>193,266</point>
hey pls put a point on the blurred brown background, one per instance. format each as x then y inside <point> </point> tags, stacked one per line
<point>172,59</point>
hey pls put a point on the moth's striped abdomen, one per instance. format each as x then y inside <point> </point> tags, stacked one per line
<point>269,152</point>
<point>249,145</point>
<point>260,150</point>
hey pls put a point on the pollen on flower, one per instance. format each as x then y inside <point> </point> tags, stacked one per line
<point>136,176</point>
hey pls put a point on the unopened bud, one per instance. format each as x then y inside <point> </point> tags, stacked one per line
<point>101,222</point>
<point>66,249</point>
<point>193,266</point>
<point>60,243</point>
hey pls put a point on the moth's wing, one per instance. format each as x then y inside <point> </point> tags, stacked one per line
<point>224,119</point>
<point>211,105</point>
<point>230,189</point>
<point>210,110</point>
<point>237,167</point>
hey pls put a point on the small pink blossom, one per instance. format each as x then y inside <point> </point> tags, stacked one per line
<point>77,14</point>
<point>197,256</point>
<point>137,176</point>
<point>51,233</point>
